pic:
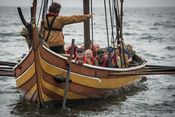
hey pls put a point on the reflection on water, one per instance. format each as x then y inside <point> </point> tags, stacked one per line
<point>91,107</point>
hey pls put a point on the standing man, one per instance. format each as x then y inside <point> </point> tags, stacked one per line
<point>53,25</point>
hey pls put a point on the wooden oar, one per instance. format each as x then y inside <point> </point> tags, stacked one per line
<point>147,70</point>
<point>7,73</point>
<point>68,75</point>
<point>5,67</point>
<point>159,66</point>
<point>7,63</point>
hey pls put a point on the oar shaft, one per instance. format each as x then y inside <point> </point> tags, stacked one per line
<point>4,67</point>
<point>7,73</point>
<point>146,71</point>
<point>68,75</point>
<point>141,73</point>
<point>7,63</point>
<point>158,66</point>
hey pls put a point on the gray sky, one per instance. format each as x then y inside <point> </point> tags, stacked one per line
<point>127,3</point>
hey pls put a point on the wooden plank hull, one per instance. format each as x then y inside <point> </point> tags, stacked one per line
<point>86,81</point>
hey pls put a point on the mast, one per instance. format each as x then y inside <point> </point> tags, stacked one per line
<point>121,33</point>
<point>86,25</point>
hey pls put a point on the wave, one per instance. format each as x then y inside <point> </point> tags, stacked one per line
<point>169,26</point>
<point>157,24</point>
<point>150,55</point>
<point>154,28</point>
<point>8,34</point>
<point>170,48</point>
<point>128,33</point>
<point>166,24</point>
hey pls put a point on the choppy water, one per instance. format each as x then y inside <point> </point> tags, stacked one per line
<point>152,33</point>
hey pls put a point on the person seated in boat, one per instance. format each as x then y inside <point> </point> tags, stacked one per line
<point>53,26</point>
<point>128,55</point>
<point>113,60</point>
<point>89,56</point>
<point>117,53</point>
<point>95,47</point>
<point>101,58</point>
<point>80,57</point>
<point>129,52</point>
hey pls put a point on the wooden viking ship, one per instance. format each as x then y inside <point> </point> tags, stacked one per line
<point>41,75</point>
<point>44,76</point>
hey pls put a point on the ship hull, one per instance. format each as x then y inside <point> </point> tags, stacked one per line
<point>86,81</point>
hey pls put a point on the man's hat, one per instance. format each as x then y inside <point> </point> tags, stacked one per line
<point>80,50</point>
<point>55,7</point>
<point>110,49</point>
<point>100,52</point>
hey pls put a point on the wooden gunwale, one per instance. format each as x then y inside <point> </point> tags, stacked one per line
<point>85,69</point>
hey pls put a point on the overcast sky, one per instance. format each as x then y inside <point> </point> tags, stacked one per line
<point>127,3</point>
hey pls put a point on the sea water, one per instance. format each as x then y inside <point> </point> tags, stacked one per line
<point>151,31</point>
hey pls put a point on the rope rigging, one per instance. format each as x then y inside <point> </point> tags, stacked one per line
<point>92,31</point>
<point>112,31</point>
<point>106,22</point>
<point>119,30</point>
<point>39,17</point>
<point>117,18</point>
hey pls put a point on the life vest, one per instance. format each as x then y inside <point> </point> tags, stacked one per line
<point>102,61</point>
<point>112,61</point>
<point>93,60</point>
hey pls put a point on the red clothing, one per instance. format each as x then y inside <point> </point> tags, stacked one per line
<point>93,60</point>
<point>52,14</point>
<point>102,61</point>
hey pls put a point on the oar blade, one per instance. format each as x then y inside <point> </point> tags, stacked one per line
<point>9,73</point>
